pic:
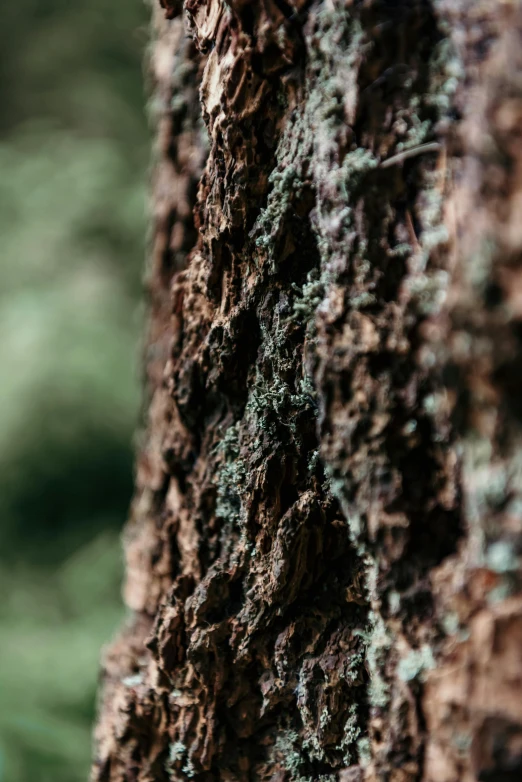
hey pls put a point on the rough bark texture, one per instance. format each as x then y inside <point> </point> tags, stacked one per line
<point>323,554</point>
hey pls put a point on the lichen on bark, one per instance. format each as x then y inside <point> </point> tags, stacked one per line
<point>331,375</point>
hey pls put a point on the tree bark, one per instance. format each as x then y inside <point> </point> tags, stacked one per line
<point>323,559</point>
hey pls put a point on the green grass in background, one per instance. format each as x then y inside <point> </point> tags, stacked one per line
<point>73,157</point>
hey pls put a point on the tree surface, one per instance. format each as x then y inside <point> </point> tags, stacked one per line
<point>323,569</point>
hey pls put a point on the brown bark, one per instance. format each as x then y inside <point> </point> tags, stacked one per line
<point>323,554</point>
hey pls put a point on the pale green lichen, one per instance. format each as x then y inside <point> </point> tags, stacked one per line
<point>132,681</point>
<point>479,266</point>
<point>308,297</point>
<point>231,476</point>
<point>409,427</point>
<point>313,747</point>
<point>450,623</point>
<point>501,557</point>
<point>394,601</point>
<point>350,175</point>
<point>416,134</point>
<point>432,403</point>
<point>177,751</point>
<point>446,73</point>
<point>340,42</point>
<point>311,136</point>
<point>364,748</point>
<point>312,461</point>
<point>189,769</point>
<point>415,664</point>
<point>488,485</point>
<point>288,745</point>
<point>279,399</point>
<point>325,718</point>
<point>377,642</point>
<point>354,667</point>
<point>285,182</point>
<point>276,397</point>
<point>337,487</point>
<point>351,733</point>
<point>462,742</point>
<point>362,300</point>
<point>401,250</point>
<point>501,592</point>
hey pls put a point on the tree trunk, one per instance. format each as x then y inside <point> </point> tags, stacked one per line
<point>323,555</point>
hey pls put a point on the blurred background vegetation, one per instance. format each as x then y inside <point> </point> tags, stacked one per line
<point>73,159</point>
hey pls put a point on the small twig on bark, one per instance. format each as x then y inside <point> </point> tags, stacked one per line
<point>432,146</point>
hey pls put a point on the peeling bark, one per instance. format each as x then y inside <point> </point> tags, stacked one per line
<point>323,552</point>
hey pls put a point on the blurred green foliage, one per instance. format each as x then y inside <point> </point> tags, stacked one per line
<point>73,158</point>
